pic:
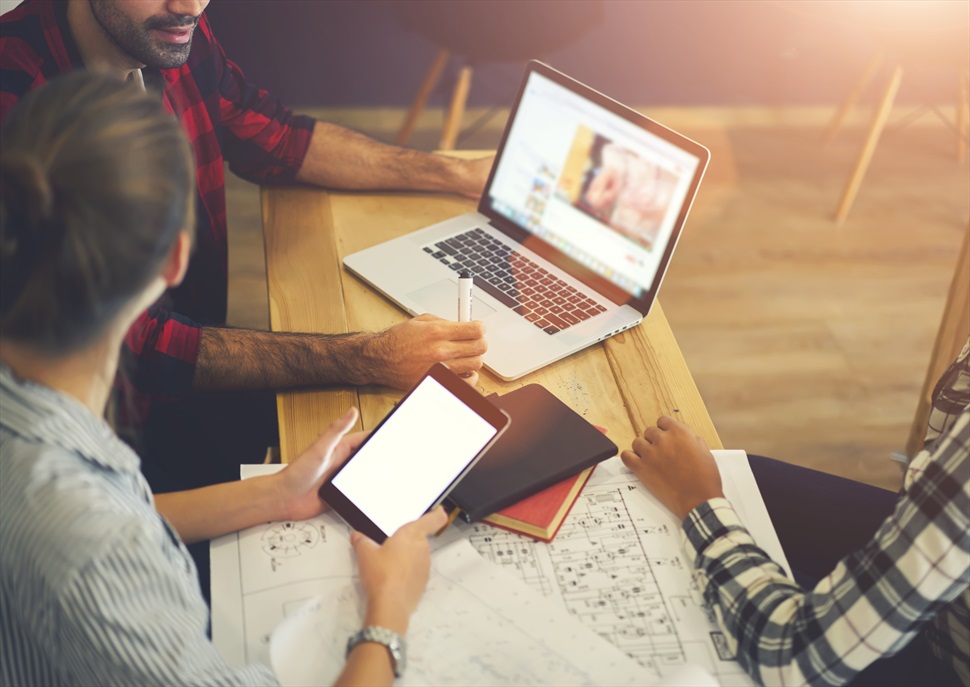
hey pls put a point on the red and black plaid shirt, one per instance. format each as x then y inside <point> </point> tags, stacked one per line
<point>226,119</point>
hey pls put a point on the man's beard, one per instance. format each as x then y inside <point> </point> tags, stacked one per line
<point>139,41</point>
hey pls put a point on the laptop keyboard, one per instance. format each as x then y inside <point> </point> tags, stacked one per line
<point>511,278</point>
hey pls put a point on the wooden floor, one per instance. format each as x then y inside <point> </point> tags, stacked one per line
<point>808,341</point>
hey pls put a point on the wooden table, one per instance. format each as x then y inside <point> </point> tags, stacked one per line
<point>623,384</point>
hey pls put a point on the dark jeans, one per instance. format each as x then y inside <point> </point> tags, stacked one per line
<point>202,441</point>
<point>820,518</point>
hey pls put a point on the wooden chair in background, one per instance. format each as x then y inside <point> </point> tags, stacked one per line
<point>482,32</point>
<point>905,34</point>
<point>950,340</point>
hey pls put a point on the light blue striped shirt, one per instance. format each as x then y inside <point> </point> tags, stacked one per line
<point>95,586</point>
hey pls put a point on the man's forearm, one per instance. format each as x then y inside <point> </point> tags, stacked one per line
<point>235,359</point>
<point>343,159</point>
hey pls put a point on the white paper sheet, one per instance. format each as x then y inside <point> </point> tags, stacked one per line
<point>618,566</point>
<point>476,624</point>
<point>240,558</point>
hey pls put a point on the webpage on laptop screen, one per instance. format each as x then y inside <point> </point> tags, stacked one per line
<point>597,187</point>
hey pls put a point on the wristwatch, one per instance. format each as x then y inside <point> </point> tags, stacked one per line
<point>391,640</point>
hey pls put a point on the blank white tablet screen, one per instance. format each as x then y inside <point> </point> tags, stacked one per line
<point>396,476</point>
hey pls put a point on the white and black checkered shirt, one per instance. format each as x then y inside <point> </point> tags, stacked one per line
<point>912,577</point>
<point>95,587</point>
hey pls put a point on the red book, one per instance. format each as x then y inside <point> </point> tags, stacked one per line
<point>541,515</point>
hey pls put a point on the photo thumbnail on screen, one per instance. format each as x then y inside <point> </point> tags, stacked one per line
<point>617,186</point>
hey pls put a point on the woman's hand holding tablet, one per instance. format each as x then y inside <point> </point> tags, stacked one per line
<point>298,484</point>
<point>393,576</point>
<point>415,456</point>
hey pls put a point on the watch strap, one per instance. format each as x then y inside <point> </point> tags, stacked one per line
<point>392,641</point>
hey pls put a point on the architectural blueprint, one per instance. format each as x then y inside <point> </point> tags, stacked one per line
<point>616,570</point>
<point>617,565</point>
<point>476,625</point>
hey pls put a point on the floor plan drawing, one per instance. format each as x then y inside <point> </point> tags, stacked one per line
<point>476,625</point>
<point>617,565</point>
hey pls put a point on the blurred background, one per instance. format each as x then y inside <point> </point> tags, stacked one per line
<point>654,52</point>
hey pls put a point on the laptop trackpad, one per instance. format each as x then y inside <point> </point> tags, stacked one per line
<point>441,299</point>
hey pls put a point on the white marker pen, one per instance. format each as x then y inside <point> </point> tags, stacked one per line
<point>465,284</point>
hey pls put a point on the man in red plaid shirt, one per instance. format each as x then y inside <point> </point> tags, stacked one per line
<point>180,347</point>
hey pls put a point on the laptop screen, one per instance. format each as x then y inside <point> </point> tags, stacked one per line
<point>601,189</point>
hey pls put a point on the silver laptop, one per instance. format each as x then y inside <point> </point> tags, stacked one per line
<point>574,232</point>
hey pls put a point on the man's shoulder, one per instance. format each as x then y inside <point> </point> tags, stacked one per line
<point>79,510</point>
<point>27,34</point>
<point>23,39</point>
<point>27,11</point>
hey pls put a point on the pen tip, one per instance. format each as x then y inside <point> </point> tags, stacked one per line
<point>465,275</point>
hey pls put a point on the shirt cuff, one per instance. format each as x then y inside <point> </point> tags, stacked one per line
<point>165,349</point>
<point>297,144</point>
<point>708,523</point>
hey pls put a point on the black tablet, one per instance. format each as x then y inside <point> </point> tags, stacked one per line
<point>415,456</point>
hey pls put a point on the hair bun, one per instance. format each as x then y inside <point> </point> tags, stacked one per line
<point>27,199</point>
<point>26,186</point>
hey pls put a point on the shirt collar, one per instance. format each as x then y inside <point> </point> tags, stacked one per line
<point>40,414</point>
<point>137,78</point>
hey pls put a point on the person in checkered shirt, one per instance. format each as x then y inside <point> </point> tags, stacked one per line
<point>882,589</point>
<point>178,346</point>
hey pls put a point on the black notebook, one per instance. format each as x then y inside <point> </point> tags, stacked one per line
<point>545,443</point>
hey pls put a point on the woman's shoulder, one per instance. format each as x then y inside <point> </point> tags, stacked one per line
<point>60,510</point>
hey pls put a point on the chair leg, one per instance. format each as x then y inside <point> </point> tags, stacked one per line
<point>963,115</point>
<point>865,156</point>
<point>854,94</point>
<point>950,338</point>
<point>457,110</point>
<point>427,86</point>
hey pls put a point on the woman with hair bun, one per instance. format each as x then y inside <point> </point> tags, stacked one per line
<point>96,587</point>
